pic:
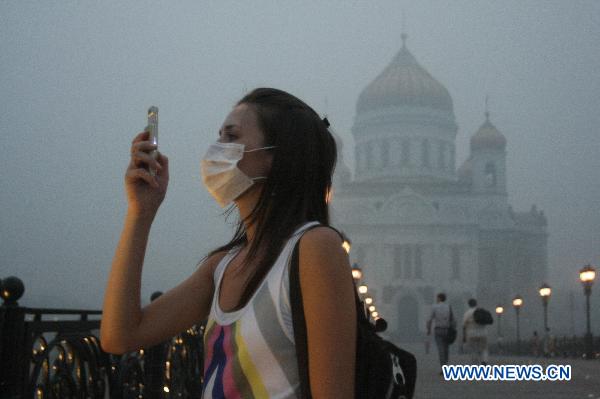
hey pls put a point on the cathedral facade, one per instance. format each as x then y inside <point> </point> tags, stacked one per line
<point>418,224</point>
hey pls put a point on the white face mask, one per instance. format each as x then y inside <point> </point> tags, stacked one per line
<point>220,174</point>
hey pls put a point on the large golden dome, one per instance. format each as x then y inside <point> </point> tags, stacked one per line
<point>404,82</point>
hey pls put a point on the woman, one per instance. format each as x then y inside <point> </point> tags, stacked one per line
<point>274,159</point>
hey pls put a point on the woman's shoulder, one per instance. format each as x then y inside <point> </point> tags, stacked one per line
<point>322,236</point>
<point>321,249</point>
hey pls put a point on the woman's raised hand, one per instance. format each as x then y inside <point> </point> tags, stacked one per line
<point>145,192</point>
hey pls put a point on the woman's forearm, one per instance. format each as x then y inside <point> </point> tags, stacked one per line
<point>121,312</point>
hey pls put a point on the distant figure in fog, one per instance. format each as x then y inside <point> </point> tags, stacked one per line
<point>441,316</point>
<point>535,344</point>
<point>475,335</point>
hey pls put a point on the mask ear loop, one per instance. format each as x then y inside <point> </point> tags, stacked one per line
<point>262,148</point>
<point>262,177</point>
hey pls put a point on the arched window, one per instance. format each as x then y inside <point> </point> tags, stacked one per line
<point>395,152</point>
<point>441,155</point>
<point>405,152</point>
<point>490,175</point>
<point>397,261</point>
<point>408,272</point>
<point>425,153</point>
<point>385,153</point>
<point>418,262</point>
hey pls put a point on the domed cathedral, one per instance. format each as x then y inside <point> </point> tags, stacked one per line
<point>419,226</point>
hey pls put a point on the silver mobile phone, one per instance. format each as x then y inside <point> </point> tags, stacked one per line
<point>153,129</point>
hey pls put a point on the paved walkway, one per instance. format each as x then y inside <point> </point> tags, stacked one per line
<point>584,384</point>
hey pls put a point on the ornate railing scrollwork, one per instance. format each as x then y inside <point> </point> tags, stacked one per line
<point>183,365</point>
<point>70,366</point>
<point>63,359</point>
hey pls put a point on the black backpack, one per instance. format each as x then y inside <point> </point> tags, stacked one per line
<point>383,371</point>
<point>482,317</point>
<point>452,333</point>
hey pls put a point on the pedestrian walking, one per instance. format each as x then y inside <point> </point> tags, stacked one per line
<point>535,344</point>
<point>442,319</point>
<point>475,335</point>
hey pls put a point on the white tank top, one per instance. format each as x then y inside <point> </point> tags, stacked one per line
<point>250,353</point>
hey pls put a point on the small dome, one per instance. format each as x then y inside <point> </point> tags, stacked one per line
<point>404,82</point>
<point>488,137</point>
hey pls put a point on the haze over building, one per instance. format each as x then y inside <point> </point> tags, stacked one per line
<point>420,225</point>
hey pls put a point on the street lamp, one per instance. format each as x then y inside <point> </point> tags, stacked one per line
<point>587,276</point>
<point>356,272</point>
<point>346,243</point>
<point>545,292</point>
<point>362,289</point>
<point>517,303</point>
<point>368,300</point>
<point>499,311</point>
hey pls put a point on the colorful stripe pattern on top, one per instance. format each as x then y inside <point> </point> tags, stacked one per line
<point>250,353</point>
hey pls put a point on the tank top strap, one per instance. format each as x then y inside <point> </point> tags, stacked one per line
<point>220,269</point>
<point>289,246</point>
<point>280,280</point>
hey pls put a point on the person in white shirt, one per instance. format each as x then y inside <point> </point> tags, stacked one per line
<point>475,335</point>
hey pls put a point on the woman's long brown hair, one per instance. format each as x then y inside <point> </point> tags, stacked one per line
<point>296,187</point>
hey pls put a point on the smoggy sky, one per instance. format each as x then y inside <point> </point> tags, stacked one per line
<point>76,79</point>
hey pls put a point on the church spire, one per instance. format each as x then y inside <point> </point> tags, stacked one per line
<point>403,36</point>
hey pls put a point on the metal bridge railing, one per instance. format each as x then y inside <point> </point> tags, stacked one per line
<point>62,357</point>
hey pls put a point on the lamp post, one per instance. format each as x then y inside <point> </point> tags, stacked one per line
<point>499,311</point>
<point>545,292</point>
<point>346,244</point>
<point>517,303</point>
<point>362,289</point>
<point>587,276</point>
<point>356,272</point>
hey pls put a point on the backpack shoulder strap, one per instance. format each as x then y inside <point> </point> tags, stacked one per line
<point>298,320</point>
<point>299,324</point>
